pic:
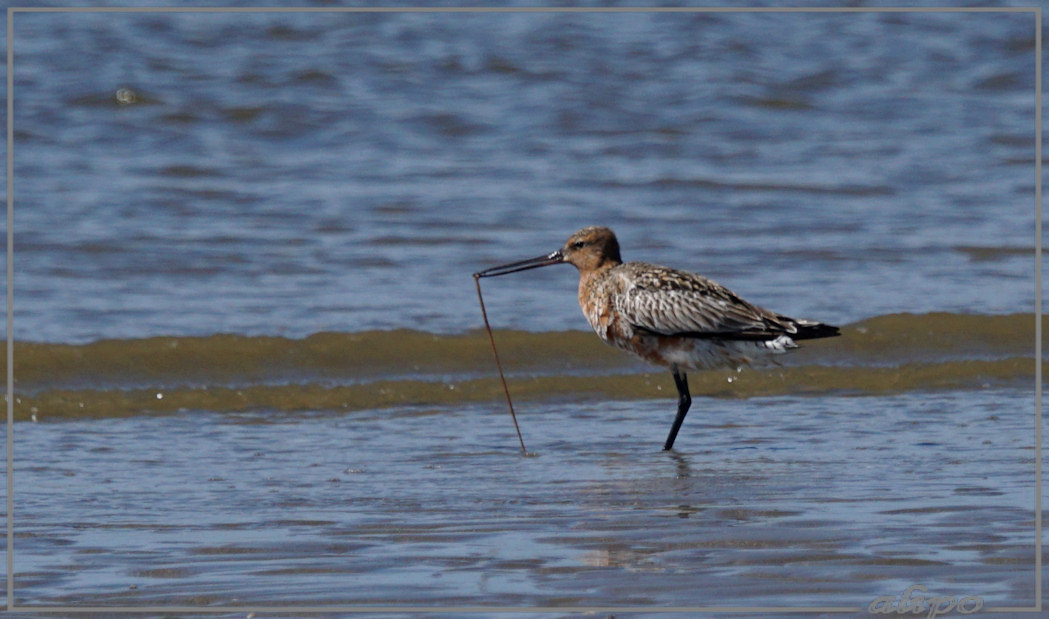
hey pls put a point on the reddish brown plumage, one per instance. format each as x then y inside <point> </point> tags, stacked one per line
<point>671,317</point>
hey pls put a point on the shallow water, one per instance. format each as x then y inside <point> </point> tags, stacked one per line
<point>248,362</point>
<point>770,501</point>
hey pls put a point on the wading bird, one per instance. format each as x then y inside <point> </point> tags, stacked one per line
<point>671,318</point>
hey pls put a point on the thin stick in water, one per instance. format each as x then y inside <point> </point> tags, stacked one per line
<point>498,365</point>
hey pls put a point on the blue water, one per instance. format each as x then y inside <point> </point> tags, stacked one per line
<point>780,501</point>
<point>288,174</point>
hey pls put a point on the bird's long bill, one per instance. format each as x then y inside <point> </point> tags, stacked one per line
<point>523,265</point>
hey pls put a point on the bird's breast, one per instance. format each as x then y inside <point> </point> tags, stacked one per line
<point>596,299</point>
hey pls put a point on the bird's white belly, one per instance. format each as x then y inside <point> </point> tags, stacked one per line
<point>702,354</point>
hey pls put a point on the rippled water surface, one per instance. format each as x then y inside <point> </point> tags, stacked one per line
<point>765,502</point>
<point>248,362</point>
<point>289,174</point>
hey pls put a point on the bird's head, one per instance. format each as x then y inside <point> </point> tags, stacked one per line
<point>588,249</point>
<point>591,248</point>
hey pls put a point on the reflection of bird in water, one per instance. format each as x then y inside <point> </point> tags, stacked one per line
<point>668,317</point>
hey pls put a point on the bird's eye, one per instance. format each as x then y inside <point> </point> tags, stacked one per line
<point>578,245</point>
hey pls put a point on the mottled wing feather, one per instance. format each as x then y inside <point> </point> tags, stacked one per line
<point>671,302</point>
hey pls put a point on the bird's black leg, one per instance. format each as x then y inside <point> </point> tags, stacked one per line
<point>683,402</point>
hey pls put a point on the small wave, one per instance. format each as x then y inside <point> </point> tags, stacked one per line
<point>376,369</point>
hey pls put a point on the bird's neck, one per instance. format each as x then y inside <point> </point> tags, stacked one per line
<point>589,276</point>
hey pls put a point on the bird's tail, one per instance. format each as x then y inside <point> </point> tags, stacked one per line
<point>811,330</point>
